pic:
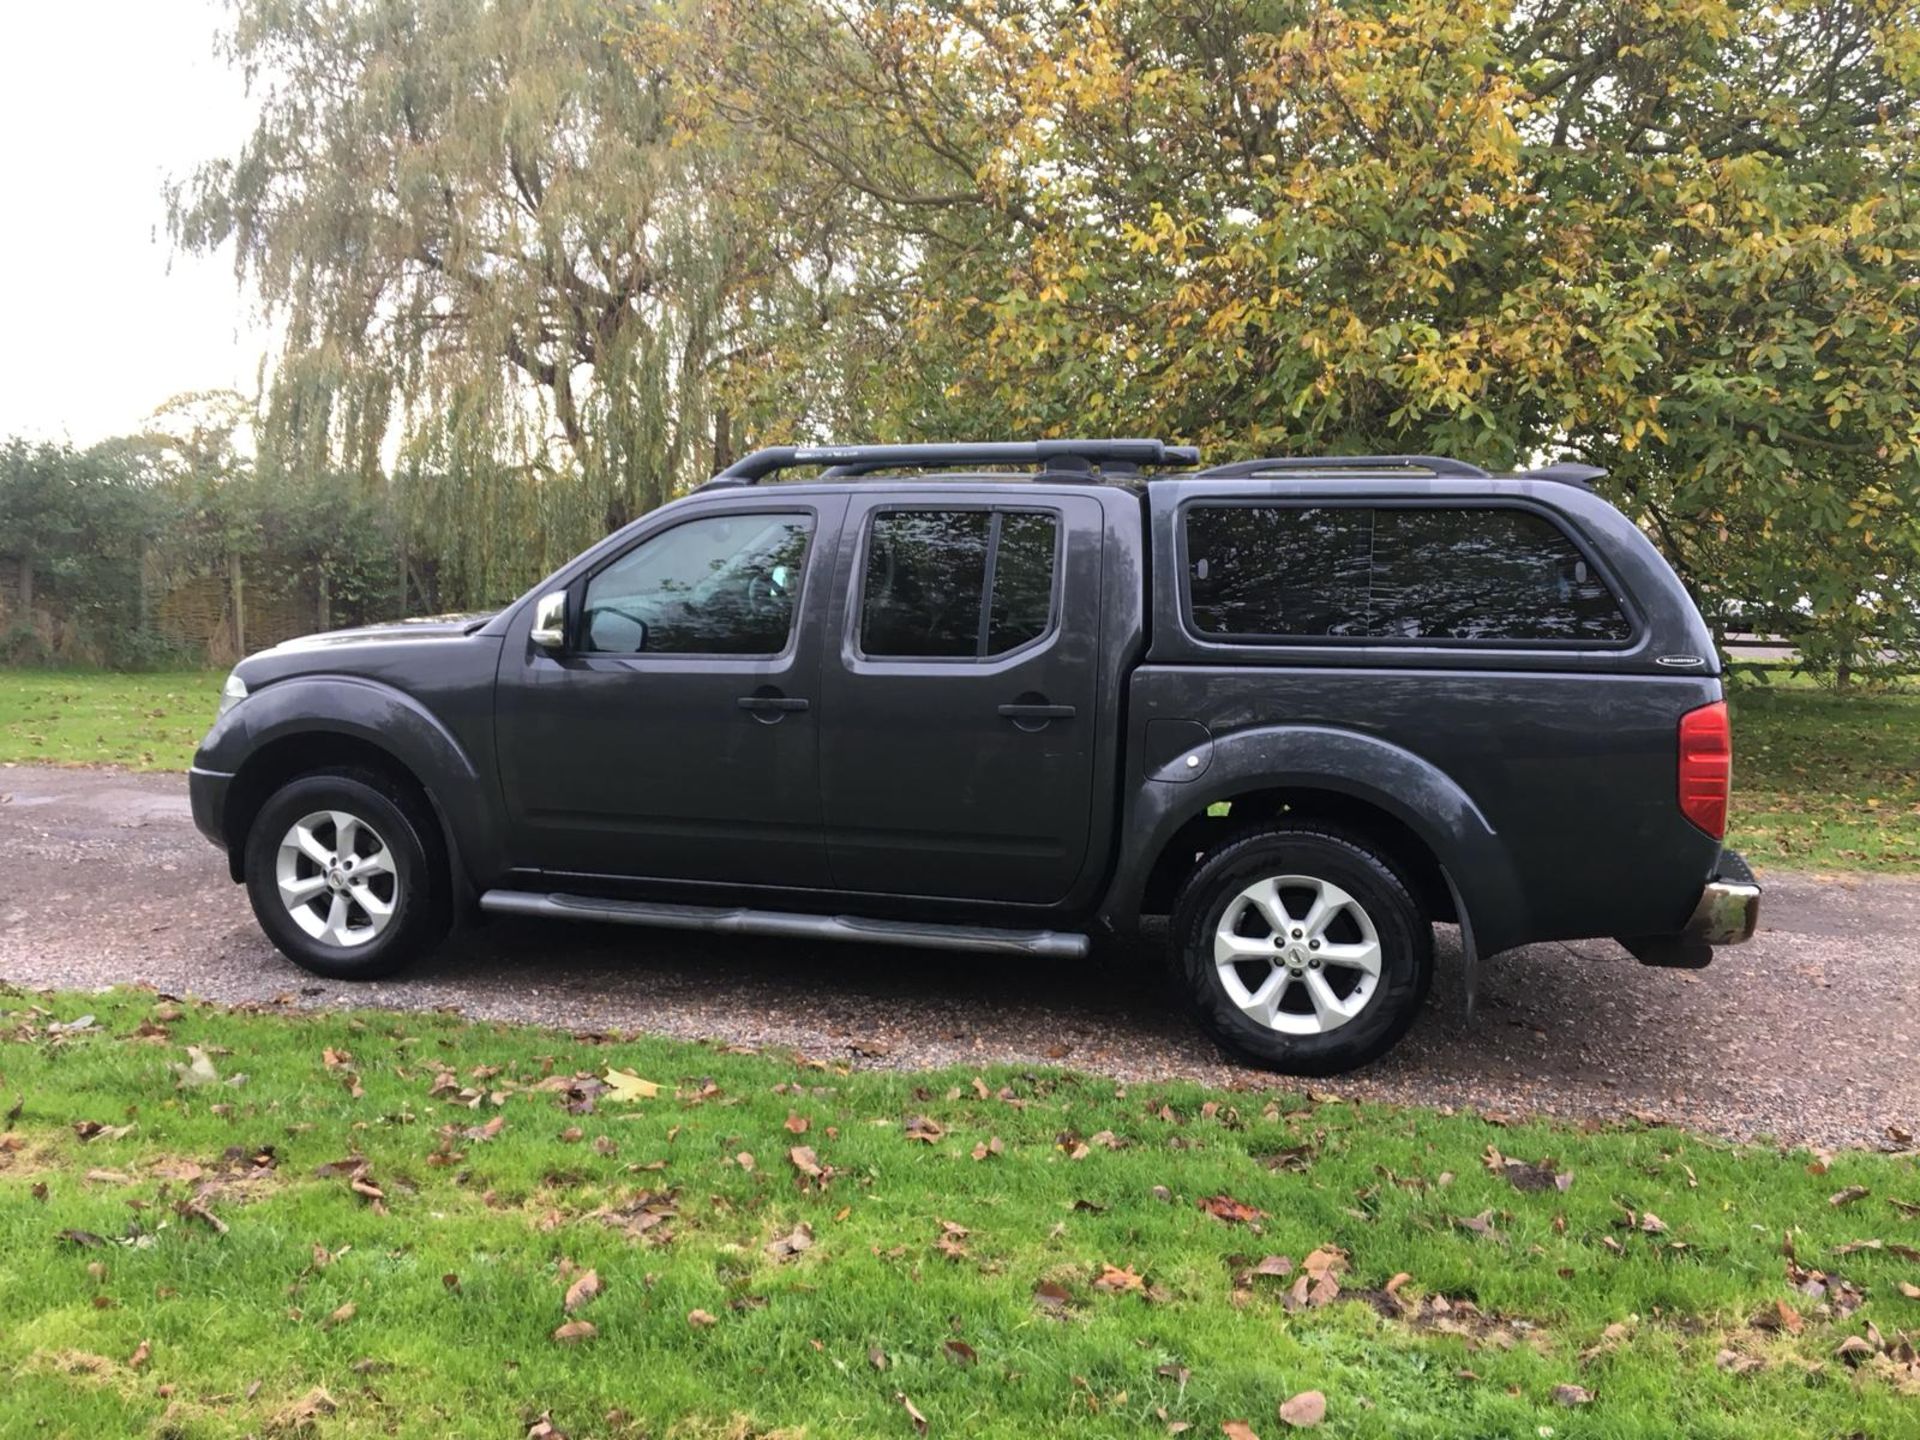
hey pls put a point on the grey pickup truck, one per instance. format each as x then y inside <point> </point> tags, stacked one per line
<point>1018,697</point>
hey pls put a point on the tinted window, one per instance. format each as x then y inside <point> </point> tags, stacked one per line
<point>1486,574</point>
<point>1022,582</point>
<point>925,572</point>
<point>1427,573</point>
<point>1268,570</point>
<point>722,585</point>
<point>926,581</point>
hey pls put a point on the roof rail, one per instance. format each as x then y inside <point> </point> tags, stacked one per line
<point>1567,472</point>
<point>845,460</point>
<point>1290,464</point>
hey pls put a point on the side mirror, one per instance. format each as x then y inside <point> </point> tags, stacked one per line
<point>550,621</point>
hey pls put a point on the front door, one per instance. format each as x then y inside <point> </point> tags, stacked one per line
<point>959,757</point>
<point>675,737</point>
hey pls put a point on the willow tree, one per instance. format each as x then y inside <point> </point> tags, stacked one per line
<point>489,258</point>
<point>1678,237</point>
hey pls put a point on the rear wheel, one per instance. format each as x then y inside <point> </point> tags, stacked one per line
<point>1303,949</point>
<point>346,876</point>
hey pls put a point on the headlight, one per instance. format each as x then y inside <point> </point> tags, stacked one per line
<point>231,693</point>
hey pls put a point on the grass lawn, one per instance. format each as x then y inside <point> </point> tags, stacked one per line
<point>93,717</point>
<point>1820,781</point>
<point>1823,781</point>
<point>409,1225</point>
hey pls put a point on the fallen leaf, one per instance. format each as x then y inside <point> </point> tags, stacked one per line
<point>1237,1430</point>
<point>1234,1212</point>
<point>1779,1316</point>
<point>925,1130</point>
<point>581,1291</point>
<point>805,1161</point>
<point>625,1085</point>
<point>1112,1278</point>
<point>574,1331</point>
<point>960,1352</point>
<point>797,1123</point>
<point>1848,1195</point>
<point>1652,1223</point>
<point>700,1319</point>
<point>785,1247</point>
<point>1854,1350</point>
<point>197,1071</point>
<point>877,1358</point>
<point>989,1147</point>
<point>1051,1296</point>
<point>1305,1410</point>
<point>1571,1395</point>
<point>340,1316</point>
<point>141,1352</point>
<point>304,1413</point>
<point>914,1415</point>
<point>1910,1290</point>
<point>1481,1224</point>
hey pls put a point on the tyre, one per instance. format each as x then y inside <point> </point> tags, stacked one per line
<point>1302,948</point>
<point>347,876</point>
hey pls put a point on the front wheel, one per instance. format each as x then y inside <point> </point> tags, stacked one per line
<point>1303,949</point>
<point>341,870</point>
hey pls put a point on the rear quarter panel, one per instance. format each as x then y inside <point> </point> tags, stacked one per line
<point>1565,758</point>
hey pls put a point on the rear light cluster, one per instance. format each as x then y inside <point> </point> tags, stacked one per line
<point>1706,767</point>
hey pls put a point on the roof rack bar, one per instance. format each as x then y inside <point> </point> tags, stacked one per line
<point>862,459</point>
<point>1280,464</point>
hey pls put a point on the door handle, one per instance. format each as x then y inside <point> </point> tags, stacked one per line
<point>1038,712</point>
<point>772,702</point>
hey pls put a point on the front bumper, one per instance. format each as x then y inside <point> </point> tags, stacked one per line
<point>207,789</point>
<point>1727,913</point>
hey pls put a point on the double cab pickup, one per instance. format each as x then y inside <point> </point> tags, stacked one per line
<point>1020,697</point>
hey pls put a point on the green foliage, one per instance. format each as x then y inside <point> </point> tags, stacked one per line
<point>253,1275</point>
<point>1678,239</point>
<point>487,251</point>
<point>75,525</point>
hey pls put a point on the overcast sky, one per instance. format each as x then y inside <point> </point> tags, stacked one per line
<point>99,320</point>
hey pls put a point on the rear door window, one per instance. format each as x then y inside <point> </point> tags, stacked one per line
<point>1407,574</point>
<point>957,584</point>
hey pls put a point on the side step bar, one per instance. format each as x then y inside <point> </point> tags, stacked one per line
<point>1051,944</point>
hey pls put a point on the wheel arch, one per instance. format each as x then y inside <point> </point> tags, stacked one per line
<point>1392,837</point>
<point>309,725</point>
<point>1380,792</point>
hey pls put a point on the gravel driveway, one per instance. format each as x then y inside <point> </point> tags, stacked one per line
<point>1810,1034</point>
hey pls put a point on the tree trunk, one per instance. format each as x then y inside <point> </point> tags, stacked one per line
<point>325,607</point>
<point>722,439</point>
<point>236,589</point>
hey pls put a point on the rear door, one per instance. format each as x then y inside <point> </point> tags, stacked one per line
<point>960,691</point>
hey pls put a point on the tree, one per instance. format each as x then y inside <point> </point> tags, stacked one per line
<point>1678,238</point>
<point>489,256</point>
<point>75,523</point>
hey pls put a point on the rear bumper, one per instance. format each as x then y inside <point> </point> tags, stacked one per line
<point>207,789</point>
<point>1727,913</point>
